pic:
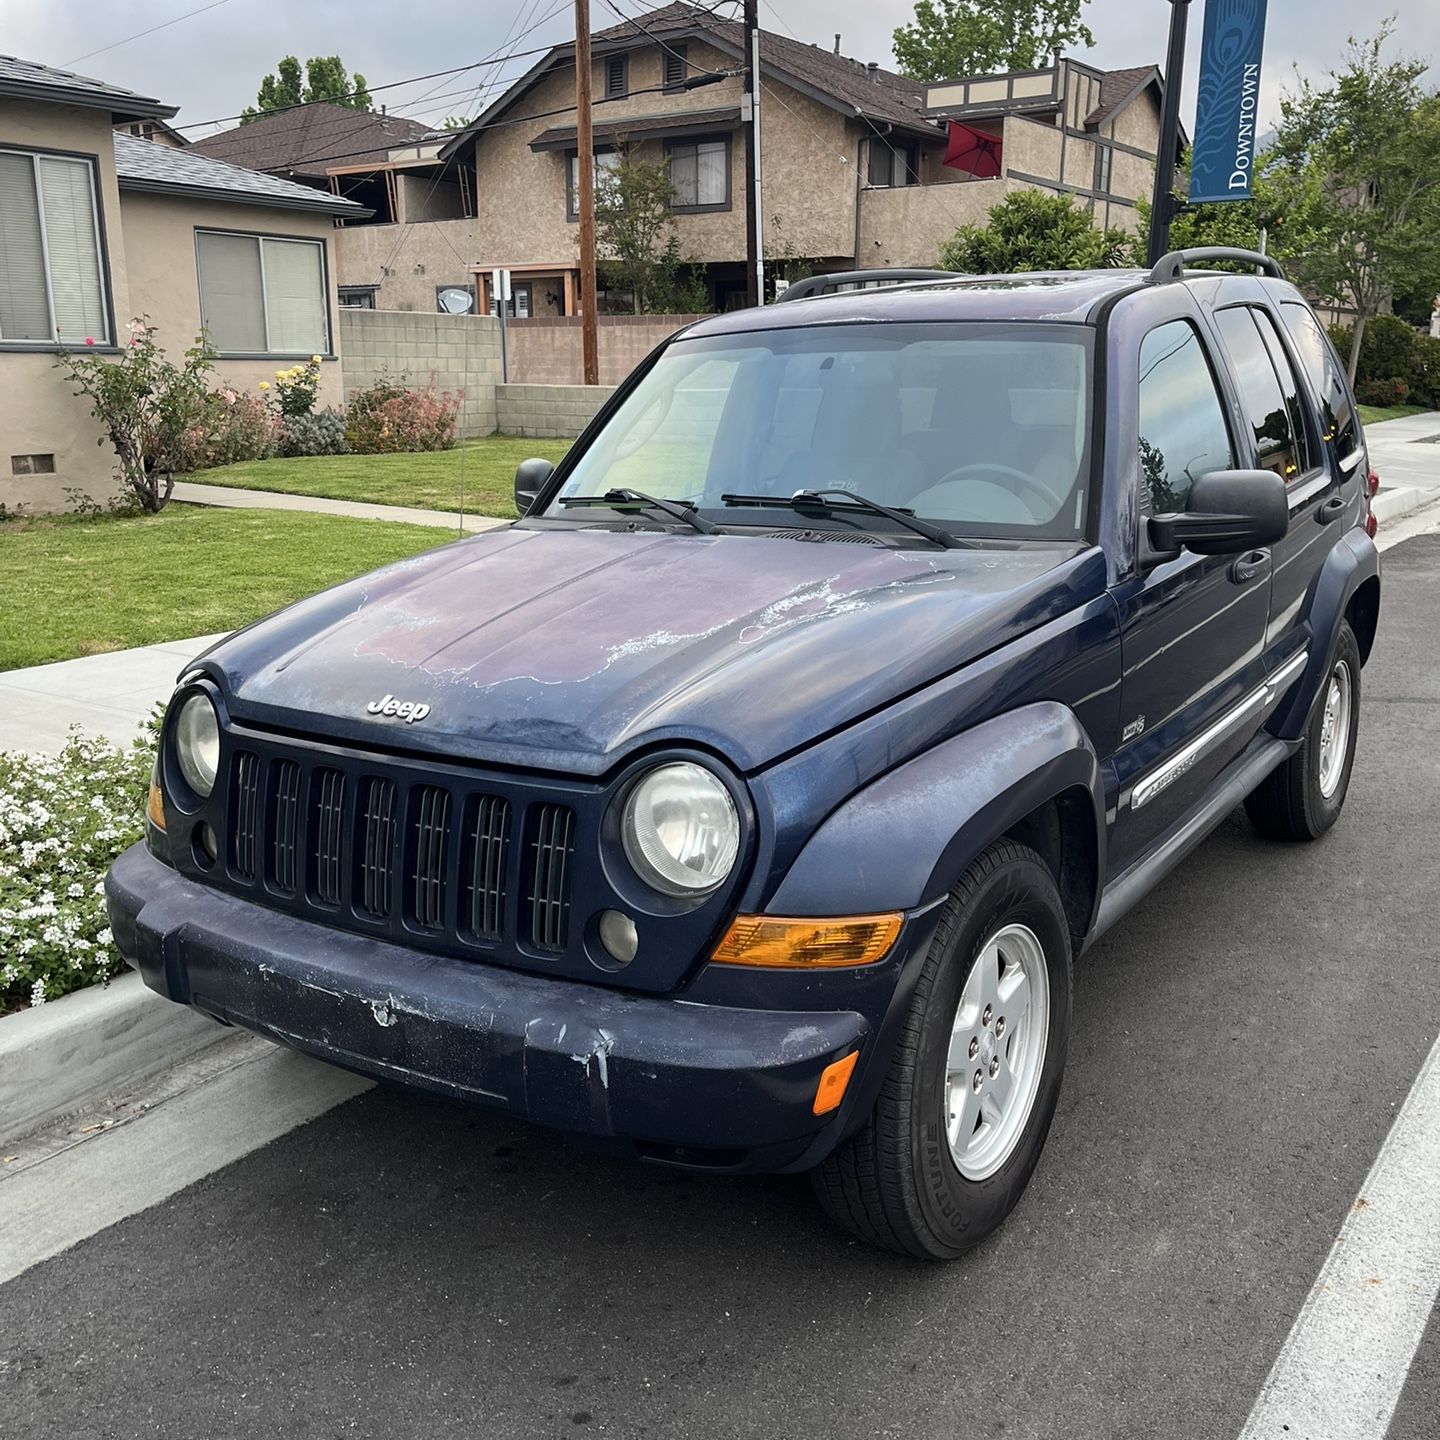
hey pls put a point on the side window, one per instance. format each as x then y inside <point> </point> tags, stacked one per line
<point>1260,395</point>
<point>1182,422</point>
<point>1290,387</point>
<point>1327,377</point>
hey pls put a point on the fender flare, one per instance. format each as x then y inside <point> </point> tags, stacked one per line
<point>902,841</point>
<point>1353,560</point>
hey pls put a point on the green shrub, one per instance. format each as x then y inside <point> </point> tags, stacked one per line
<point>63,819</point>
<point>1382,393</point>
<point>322,433</point>
<point>1392,350</point>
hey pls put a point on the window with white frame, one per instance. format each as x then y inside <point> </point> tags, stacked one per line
<point>262,295</point>
<point>52,284</point>
<point>700,174</point>
<point>605,162</point>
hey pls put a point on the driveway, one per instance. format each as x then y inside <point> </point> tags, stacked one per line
<point>1244,1042</point>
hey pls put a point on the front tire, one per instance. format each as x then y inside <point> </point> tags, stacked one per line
<point>1302,798</point>
<point>965,1108</point>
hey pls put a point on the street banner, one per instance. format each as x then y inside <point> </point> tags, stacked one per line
<point>1229,90</point>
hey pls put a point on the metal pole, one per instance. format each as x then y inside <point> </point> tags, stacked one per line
<point>585,164</point>
<point>750,111</point>
<point>1162,200</point>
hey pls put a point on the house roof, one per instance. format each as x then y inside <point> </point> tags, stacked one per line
<point>162,169</point>
<point>307,140</point>
<point>1118,88</point>
<point>834,80</point>
<point>672,122</point>
<point>29,80</point>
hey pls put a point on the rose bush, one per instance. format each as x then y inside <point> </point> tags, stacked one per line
<point>63,819</point>
<point>388,416</point>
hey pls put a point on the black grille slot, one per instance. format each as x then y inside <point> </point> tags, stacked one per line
<point>327,831</point>
<point>552,846</point>
<point>430,841</point>
<point>245,836</point>
<point>488,841</point>
<point>285,826</point>
<point>377,845</point>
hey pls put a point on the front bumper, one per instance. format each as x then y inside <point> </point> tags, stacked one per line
<point>672,1080</point>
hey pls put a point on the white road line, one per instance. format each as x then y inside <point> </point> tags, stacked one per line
<point>73,1191</point>
<point>1341,1370</point>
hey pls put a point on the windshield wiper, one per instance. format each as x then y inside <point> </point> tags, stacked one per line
<point>622,495</point>
<point>815,500</point>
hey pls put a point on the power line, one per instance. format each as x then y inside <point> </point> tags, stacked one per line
<point>140,35</point>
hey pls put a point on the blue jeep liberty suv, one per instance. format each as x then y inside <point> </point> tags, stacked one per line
<point>744,804</point>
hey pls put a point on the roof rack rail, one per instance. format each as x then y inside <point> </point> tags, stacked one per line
<point>1172,266</point>
<point>838,280</point>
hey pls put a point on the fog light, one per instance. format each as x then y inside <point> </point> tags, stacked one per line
<point>619,936</point>
<point>206,843</point>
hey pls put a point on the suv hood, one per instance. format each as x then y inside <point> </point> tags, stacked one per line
<point>567,649</point>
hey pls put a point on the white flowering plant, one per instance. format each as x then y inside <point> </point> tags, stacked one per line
<point>63,819</point>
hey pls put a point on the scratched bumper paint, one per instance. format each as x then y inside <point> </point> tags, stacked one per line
<point>580,1058</point>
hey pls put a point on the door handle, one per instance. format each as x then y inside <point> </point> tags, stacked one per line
<point>1247,567</point>
<point>1332,509</point>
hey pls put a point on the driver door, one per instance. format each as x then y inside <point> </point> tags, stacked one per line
<point>1192,629</point>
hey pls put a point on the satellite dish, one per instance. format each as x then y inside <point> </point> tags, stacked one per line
<point>454,300</point>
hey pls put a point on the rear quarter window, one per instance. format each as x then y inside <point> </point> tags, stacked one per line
<point>1338,423</point>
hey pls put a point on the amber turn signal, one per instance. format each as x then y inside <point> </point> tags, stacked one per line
<point>155,807</point>
<point>833,1080</point>
<point>807,944</point>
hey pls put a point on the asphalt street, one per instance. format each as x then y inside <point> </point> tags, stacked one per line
<point>401,1268</point>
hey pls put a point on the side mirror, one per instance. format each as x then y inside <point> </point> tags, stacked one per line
<point>1229,511</point>
<point>530,479</point>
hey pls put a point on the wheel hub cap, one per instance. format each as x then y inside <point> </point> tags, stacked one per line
<point>997,1051</point>
<point>1335,729</point>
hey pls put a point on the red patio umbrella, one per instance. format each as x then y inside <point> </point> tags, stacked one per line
<point>972,151</point>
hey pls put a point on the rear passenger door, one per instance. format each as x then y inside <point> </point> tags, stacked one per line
<point>1283,437</point>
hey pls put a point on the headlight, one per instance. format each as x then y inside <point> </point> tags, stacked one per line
<point>680,829</point>
<point>197,744</point>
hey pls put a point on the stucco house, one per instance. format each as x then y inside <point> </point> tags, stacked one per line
<point>98,225</point>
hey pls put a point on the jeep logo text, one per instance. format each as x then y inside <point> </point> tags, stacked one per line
<point>406,710</point>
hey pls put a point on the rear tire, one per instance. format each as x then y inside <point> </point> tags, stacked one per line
<point>1302,798</point>
<point>964,1110</point>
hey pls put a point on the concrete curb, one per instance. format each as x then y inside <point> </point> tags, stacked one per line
<point>1392,504</point>
<point>59,1056</point>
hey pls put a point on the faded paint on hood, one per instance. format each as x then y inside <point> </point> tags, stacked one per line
<point>567,649</point>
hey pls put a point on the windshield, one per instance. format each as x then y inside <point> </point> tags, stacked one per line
<point>981,428</point>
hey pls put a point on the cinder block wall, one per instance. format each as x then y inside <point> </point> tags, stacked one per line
<point>546,350</point>
<point>554,411</point>
<point>462,352</point>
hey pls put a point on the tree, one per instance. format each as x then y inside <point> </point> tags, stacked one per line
<point>325,79</point>
<point>951,38</point>
<point>1031,230</point>
<point>636,240</point>
<point>1362,152</point>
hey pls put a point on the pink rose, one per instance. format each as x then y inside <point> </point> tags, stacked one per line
<point>89,341</point>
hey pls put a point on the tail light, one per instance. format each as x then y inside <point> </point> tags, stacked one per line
<point>1371,524</point>
<point>1374,483</point>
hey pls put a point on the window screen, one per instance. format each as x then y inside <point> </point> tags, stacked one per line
<point>262,296</point>
<point>1260,395</point>
<point>1182,422</point>
<point>50,278</point>
<point>1327,377</point>
<point>700,174</point>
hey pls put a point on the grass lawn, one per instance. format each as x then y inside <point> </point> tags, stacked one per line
<point>71,586</point>
<point>431,480</point>
<point>1376,414</point>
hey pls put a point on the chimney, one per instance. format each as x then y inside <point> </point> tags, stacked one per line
<point>837,42</point>
<point>874,69</point>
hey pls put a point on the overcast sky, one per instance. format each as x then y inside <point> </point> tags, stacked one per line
<point>211,63</point>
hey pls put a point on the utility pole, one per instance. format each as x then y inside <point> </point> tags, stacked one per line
<point>750,114</point>
<point>585,165</point>
<point>1162,199</point>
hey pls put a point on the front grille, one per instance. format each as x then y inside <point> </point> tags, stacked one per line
<point>436,864</point>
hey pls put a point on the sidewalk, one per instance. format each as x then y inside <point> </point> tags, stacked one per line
<point>235,498</point>
<point>107,695</point>
<point>1405,454</point>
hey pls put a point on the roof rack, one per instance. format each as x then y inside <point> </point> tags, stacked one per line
<point>838,280</point>
<point>1172,266</point>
